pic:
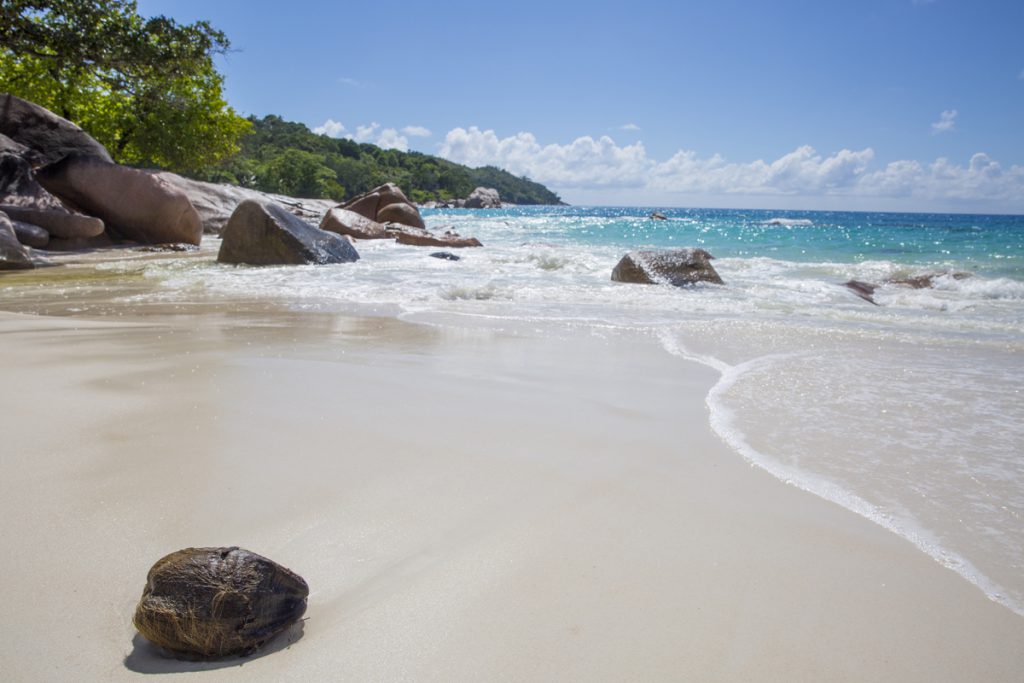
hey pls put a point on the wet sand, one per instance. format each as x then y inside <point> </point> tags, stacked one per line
<point>466,504</point>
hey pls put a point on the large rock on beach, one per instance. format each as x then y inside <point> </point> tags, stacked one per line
<point>264,234</point>
<point>483,198</point>
<point>345,222</point>
<point>678,267</point>
<point>208,603</point>
<point>58,223</point>
<point>134,205</point>
<point>216,202</point>
<point>49,137</point>
<point>13,256</point>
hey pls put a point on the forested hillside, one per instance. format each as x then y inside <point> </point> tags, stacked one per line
<point>287,158</point>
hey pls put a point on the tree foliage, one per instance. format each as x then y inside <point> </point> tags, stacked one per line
<point>286,157</point>
<point>145,88</point>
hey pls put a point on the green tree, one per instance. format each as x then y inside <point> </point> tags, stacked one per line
<point>145,88</point>
<point>298,174</point>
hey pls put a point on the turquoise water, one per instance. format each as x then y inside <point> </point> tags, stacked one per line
<point>987,244</point>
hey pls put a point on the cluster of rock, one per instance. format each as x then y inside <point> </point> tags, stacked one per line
<point>386,213</point>
<point>60,190</point>
<point>480,198</point>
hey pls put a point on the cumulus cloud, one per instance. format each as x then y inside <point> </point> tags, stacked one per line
<point>330,127</point>
<point>598,164</point>
<point>416,131</point>
<point>629,126</point>
<point>365,133</point>
<point>946,122</point>
<point>390,139</point>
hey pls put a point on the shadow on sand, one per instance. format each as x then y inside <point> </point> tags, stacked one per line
<point>146,658</point>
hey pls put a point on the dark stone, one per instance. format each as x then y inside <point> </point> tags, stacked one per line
<point>483,198</point>
<point>134,205</point>
<point>446,256</point>
<point>48,137</point>
<point>678,267</point>
<point>264,234</point>
<point>866,290</point>
<point>30,235</point>
<point>208,603</point>
<point>345,222</point>
<point>13,256</point>
<point>102,241</point>
<point>658,216</point>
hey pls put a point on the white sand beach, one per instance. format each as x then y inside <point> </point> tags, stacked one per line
<point>466,505</point>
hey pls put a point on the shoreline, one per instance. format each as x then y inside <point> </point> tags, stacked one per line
<point>465,503</point>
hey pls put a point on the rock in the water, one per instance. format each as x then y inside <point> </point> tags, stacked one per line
<point>865,290</point>
<point>49,137</point>
<point>403,214</point>
<point>215,602</point>
<point>345,222</point>
<point>133,204</point>
<point>378,203</point>
<point>446,256</point>
<point>30,235</point>
<point>216,202</point>
<point>13,255</point>
<point>101,241</point>
<point>677,267</point>
<point>58,223</point>
<point>424,238</point>
<point>658,216</point>
<point>264,234</point>
<point>483,198</point>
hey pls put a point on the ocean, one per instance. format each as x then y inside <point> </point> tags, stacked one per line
<point>908,411</point>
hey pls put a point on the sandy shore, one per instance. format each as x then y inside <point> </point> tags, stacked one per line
<point>465,504</point>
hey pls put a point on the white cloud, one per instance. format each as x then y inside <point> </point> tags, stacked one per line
<point>390,139</point>
<point>416,131</point>
<point>629,126</point>
<point>365,133</point>
<point>350,81</point>
<point>330,127</point>
<point>601,165</point>
<point>946,122</point>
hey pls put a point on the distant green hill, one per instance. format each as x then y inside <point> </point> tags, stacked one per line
<point>287,158</point>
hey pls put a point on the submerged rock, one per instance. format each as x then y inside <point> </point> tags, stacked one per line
<point>214,602</point>
<point>678,267</point>
<point>264,234</point>
<point>30,235</point>
<point>425,238</point>
<point>866,290</point>
<point>446,256</point>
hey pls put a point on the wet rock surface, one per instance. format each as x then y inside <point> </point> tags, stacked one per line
<point>264,234</point>
<point>678,267</point>
<point>207,603</point>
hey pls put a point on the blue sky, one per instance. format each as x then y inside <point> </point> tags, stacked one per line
<point>876,104</point>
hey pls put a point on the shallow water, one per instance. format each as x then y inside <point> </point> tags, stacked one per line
<point>909,412</point>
